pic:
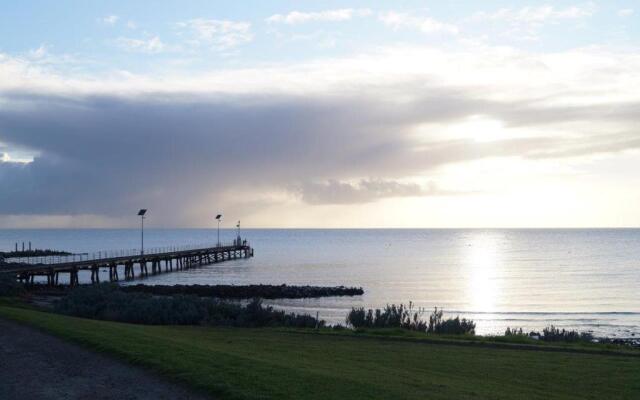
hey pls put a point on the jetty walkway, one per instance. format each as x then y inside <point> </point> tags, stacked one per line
<point>152,262</point>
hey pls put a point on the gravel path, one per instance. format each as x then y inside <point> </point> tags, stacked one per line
<point>36,366</point>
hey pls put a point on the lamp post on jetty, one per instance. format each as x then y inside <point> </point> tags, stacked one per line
<point>141,213</point>
<point>219,218</point>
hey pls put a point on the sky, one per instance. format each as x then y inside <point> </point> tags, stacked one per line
<point>325,114</point>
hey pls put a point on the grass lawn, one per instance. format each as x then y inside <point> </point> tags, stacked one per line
<point>240,363</point>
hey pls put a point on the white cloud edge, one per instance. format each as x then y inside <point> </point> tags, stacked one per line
<point>151,45</point>
<point>537,14</point>
<point>219,34</point>
<point>423,24</point>
<point>333,15</point>
<point>111,19</point>
<point>626,12</point>
<point>499,68</point>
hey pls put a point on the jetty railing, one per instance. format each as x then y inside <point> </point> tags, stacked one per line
<point>177,258</point>
<point>108,254</point>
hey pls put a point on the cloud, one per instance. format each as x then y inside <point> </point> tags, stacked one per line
<point>28,221</point>
<point>525,23</point>
<point>150,46</point>
<point>538,15</point>
<point>357,129</point>
<point>595,144</point>
<point>110,19</point>
<point>364,191</point>
<point>219,34</point>
<point>625,12</point>
<point>321,38</point>
<point>11,158</point>
<point>299,17</point>
<point>424,24</point>
<point>40,52</point>
<point>106,155</point>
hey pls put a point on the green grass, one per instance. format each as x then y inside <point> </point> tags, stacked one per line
<point>515,341</point>
<point>240,363</point>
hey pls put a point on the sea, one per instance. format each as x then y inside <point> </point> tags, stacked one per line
<point>582,279</point>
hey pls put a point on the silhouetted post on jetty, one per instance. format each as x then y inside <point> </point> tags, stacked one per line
<point>219,218</point>
<point>141,213</point>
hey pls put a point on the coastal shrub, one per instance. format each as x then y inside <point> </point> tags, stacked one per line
<point>393,316</point>
<point>108,302</point>
<point>514,332</point>
<point>338,327</point>
<point>357,317</point>
<point>552,334</point>
<point>9,286</point>
<point>451,326</point>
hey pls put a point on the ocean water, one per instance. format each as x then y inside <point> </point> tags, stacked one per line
<point>585,279</point>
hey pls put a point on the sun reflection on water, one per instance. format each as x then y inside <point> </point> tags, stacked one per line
<point>483,260</point>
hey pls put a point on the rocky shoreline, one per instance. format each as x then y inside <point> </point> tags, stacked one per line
<point>246,291</point>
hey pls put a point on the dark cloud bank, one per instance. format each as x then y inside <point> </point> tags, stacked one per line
<point>109,155</point>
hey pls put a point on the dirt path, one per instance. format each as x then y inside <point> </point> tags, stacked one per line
<point>34,365</point>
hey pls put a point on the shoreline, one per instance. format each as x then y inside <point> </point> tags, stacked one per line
<point>46,298</point>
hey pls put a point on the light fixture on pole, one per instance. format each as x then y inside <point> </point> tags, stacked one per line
<point>141,213</point>
<point>219,218</point>
<point>238,238</point>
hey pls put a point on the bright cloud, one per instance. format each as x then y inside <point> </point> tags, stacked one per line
<point>299,17</point>
<point>110,19</point>
<point>539,14</point>
<point>150,45</point>
<point>364,191</point>
<point>40,52</point>
<point>625,12</point>
<point>424,24</point>
<point>220,34</point>
<point>526,23</point>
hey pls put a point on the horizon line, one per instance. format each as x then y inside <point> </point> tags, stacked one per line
<point>329,228</point>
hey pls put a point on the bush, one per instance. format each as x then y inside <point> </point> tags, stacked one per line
<point>451,326</point>
<point>553,334</point>
<point>514,332</point>
<point>338,327</point>
<point>108,302</point>
<point>9,286</point>
<point>391,317</point>
<point>405,317</point>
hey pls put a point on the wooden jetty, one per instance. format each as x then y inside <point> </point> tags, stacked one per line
<point>170,259</point>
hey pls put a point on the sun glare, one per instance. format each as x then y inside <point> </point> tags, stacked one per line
<point>481,129</point>
<point>484,261</point>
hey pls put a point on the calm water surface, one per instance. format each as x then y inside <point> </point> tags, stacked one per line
<point>581,279</point>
